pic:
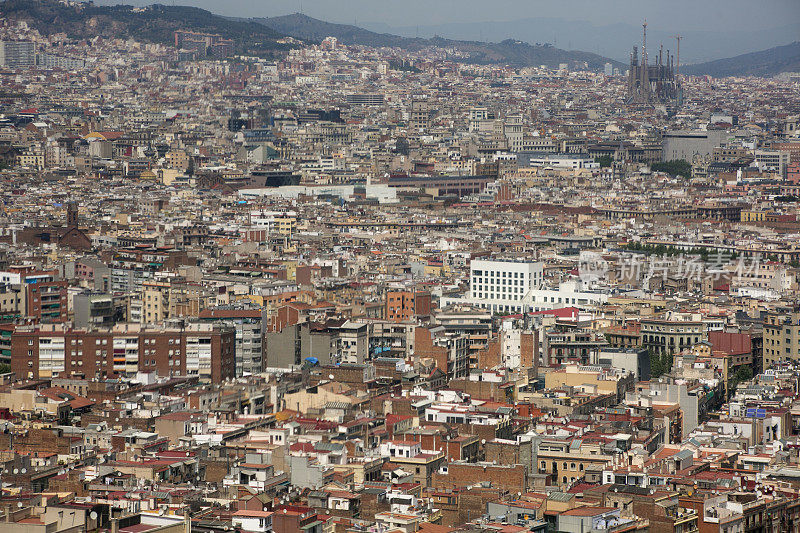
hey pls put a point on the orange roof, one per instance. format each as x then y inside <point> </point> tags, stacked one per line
<point>259,514</point>
<point>588,511</point>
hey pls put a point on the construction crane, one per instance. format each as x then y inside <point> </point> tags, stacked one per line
<point>678,57</point>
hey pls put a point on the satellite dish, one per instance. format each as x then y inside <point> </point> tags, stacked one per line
<point>93,515</point>
<point>24,470</point>
<point>16,471</point>
<point>330,376</point>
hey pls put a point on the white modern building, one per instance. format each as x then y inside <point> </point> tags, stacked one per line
<point>564,161</point>
<point>510,287</point>
<point>17,54</point>
<point>504,280</point>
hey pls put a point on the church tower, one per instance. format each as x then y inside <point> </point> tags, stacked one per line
<point>72,215</point>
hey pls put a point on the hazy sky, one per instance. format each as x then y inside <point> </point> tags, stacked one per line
<point>674,15</point>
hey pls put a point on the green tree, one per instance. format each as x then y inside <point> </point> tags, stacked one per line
<point>666,363</point>
<point>656,369</point>
<point>745,373</point>
<point>676,167</point>
<point>605,161</point>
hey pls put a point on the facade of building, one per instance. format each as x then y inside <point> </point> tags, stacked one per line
<point>17,54</point>
<point>201,350</point>
<point>781,337</point>
<point>407,305</point>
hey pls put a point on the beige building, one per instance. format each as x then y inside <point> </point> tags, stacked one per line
<point>316,398</point>
<point>566,464</point>
<point>177,159</point>
<point>30,401</point>
<point>781,336</point>
<point>671,336</point>
<point>155,301</point>
<point>588,379</point>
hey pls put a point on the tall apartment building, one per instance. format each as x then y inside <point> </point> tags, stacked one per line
<point>421,115</point>
<point>515,131</point>
<point>93,309</point>
<point>365,99</point>
<point>12,297</point>
<point>449,351</point>
<point>51,350</point>
<point>518,289</point>
<point>17,54</point>
<point>204,43</point>
<point>42,297</point>
<point>171,298</point>
<point>46,297</point>
<point>250,326</point>
<point>155,301</point>
<point>51,61</point>
<point>481,119</point>
<point>504,280</point>
<point>781,336</point>
<point>407,305</point>
<point>772,160</point>
<point>501,286</point>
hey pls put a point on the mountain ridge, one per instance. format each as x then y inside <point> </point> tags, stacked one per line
<point>613,40</point>
<point>511,51</point>
<point>155,23</point>
<point>763,63</point>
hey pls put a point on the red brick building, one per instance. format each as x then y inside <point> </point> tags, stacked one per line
<point>407,305</point>
<point>202,350</point>
<point>45,295</point>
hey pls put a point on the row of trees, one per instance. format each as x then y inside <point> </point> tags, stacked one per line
<point>659,364</point>
<point>676,167</point>
<point>604,160</point>
<point>704,253</point>
<point>666,250</point>
<point>662,364</point>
